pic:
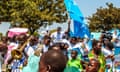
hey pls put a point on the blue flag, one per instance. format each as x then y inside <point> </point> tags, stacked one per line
<point>73,10</point>
<point>78,32</point>
<point>80,28</point>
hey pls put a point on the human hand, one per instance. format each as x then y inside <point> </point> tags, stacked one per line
<point>69,21</point>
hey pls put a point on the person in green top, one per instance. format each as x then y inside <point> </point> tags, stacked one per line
<point>96,53</point>
<point>71,69</point>
<point>32,63</point>
<point>74,62</point>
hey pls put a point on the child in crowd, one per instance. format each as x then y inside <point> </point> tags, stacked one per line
<point>74,62</point>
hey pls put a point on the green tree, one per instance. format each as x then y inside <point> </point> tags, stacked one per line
<point>105,18</point>
<point>32,13</point>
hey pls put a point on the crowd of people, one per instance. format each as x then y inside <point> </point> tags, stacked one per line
<point>58,52</point>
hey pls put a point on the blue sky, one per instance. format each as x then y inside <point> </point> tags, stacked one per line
<point>87,7</point>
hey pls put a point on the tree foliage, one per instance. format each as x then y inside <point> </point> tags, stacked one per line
<point>105,18</point>
<point>32,13</point>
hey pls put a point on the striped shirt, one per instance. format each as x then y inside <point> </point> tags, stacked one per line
<point>17,65</point>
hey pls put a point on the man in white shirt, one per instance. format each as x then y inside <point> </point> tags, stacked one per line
<point>31,46</point>
<point>109,55</point>
<point>57,36</point>
<point>46,43</point>
<point>74,45</point>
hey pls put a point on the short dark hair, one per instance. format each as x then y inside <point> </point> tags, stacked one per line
<point>54,45</point>
<point>95,42</point>
<point>3,47</point>
<point>110,45</point>
<point>55,59</point>
<point>74,52</point>
<point>97,62</point>
<point>75,38</point>
<point>58,27</point>
<point>60,45</point>
<point>47,37</point>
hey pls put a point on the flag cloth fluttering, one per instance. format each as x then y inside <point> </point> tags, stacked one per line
<point>80,28</point>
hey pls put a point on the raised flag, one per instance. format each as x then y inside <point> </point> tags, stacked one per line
<point>80,28</point>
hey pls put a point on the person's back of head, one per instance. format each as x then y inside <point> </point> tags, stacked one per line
<point>59,28</point>
<point>94,43</point>
<point>52,61</point>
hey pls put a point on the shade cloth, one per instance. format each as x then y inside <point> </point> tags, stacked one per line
<point>16,31</point>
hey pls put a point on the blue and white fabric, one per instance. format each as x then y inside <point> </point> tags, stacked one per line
<point>17,65</point>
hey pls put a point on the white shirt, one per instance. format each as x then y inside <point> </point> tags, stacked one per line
<point>65,41</point>
<point>78,45</point>
<point>29,50</point>
<point>114,35</point>
<point>106,53</point>
<point>45,48</point>
<point>57,36</point>
<point>117,44</point>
